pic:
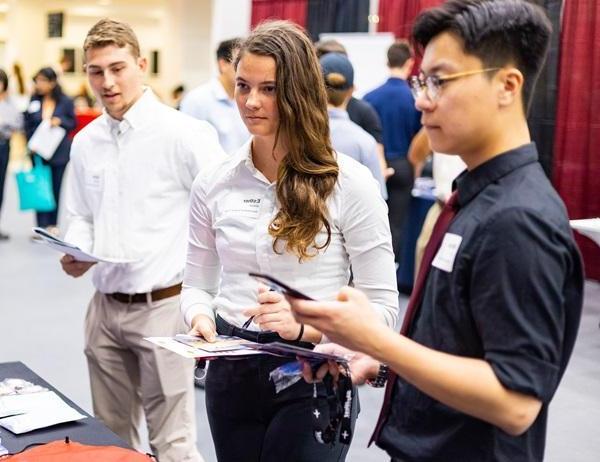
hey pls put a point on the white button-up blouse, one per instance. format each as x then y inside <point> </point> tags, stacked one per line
<point>232,206</point>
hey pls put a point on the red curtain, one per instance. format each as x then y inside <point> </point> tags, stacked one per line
<point>294,10</point>
<point>577,140</point>
<point>397,16</point>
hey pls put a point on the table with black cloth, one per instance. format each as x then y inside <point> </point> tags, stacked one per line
<point>417,211</point>
<point>85,431</point>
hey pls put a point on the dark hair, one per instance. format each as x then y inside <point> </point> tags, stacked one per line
<point>3,80</point>
<point>498,32</point>
<point>329,46</point>
<point>398,53</point>
<point>308,172</point>
<point>226,49</point>
<point>50,74</point>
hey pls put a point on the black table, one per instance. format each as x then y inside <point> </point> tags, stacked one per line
<point>86,431</point>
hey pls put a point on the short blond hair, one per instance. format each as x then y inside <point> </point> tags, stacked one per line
<point>110,32</point>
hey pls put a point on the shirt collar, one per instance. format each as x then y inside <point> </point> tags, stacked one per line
<point>218,91</point>
<point>135,116</point>
<point>244,156</point>
<point>336,113</point>
<point>471,183</point>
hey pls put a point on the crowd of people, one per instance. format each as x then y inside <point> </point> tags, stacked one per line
<point>274,167</point>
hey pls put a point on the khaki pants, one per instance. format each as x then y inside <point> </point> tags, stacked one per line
<point>130,376</point>
<point>426,230</point>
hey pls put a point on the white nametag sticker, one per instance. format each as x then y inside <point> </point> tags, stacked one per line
<point>93,180</point>
<point>34,106</point>
<point>444,259</point>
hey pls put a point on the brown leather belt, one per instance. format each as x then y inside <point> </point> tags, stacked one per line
<point>155,295</point>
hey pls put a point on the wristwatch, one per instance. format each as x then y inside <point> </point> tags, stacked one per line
<point>381,378</point>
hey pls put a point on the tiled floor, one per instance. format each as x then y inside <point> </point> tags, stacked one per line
<point>41,319</point>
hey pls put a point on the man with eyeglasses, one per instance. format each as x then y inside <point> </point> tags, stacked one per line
<point>492,321</point>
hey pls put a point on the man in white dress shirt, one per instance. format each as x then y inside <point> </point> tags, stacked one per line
<point>127,199</point>
<point>213,101</point>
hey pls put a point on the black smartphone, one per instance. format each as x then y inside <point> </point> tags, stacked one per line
<point>278,286</point>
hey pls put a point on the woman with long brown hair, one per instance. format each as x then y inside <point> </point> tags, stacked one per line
<point>288,205</point>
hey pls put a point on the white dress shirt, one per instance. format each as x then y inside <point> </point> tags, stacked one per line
<point>210,102</point>
<point>231,209</point>
<point>446,168</point>
<point>128,192</point>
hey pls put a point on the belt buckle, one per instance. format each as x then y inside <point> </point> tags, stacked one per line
<point>130,298</point>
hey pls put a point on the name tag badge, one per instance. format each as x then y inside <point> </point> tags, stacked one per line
<point>444,259</point>
<point>34,106</point>
<point>93,180</point>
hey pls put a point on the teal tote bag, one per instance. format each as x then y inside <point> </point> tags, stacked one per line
<point>35,187</point>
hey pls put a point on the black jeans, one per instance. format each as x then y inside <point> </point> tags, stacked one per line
<point>249,422</point>
<point>399,187</point>
<point>45,219</point>
<point>4,155</point>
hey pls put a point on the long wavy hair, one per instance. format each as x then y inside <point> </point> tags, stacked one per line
<point>308,172</point>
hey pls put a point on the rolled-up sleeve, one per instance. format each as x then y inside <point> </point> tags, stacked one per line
<point>517,300</point>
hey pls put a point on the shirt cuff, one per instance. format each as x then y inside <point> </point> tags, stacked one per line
<point>195,310</point>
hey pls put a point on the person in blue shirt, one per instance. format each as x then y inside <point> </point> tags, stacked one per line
<point>395,105</point>
<point>346,136</point>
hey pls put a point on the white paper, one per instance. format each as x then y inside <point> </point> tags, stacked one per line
<point>79,255</point>
<point>190,352</point>
<point>42,410</point>
<point>8,408</point>
<point>444,258</point>
<point>589,227</point>
<point>45,139</point>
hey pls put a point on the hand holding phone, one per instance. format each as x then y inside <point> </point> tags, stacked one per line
<point>278,286</point>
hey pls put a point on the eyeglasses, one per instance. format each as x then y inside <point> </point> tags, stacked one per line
<point>431,85</point>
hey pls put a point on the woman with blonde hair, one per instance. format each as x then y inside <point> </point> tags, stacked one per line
<point>288,205</point>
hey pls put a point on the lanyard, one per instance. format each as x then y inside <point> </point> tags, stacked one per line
<point>339,402</point>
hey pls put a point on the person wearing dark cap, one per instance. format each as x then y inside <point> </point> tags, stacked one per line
<point>493,318</point>
<point>359,111</point>
<point>346,136</point>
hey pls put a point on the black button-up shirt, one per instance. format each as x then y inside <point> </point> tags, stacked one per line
<point>511,294</point>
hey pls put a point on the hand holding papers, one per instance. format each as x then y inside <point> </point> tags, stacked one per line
<point>589,228</point>
<point>78,254</point>
<point>196,347</point>
<point>45,139</point>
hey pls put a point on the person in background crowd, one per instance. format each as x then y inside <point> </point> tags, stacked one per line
<point>128,198</point>
<point>395,105</point>
<point>177,95</point>
<point>11,120</point>
<point>83,99</point>
<point>285,203</point>
<point>445,170</point>
<point>346,136</point>
<point>51,104</point>
<point>214,102</point>
<point>493,318</point>
<point>359,111</point>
